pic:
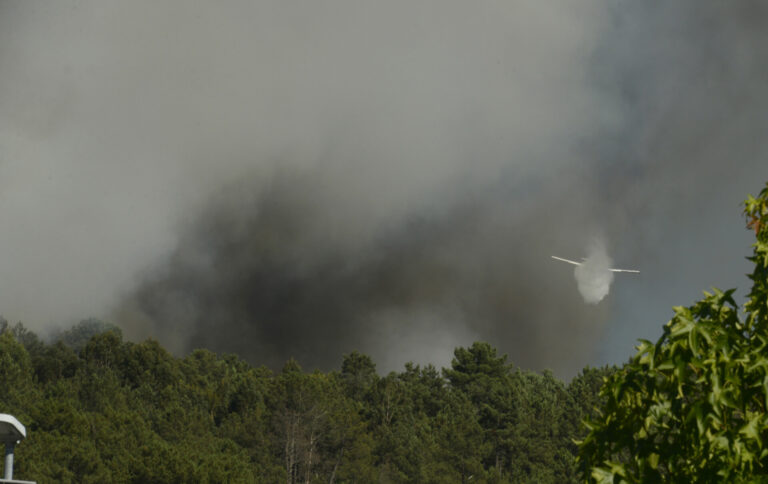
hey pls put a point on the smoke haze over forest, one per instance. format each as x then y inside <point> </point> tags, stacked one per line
<point>305,179</point>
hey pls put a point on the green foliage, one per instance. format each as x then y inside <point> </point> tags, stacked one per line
<point>359,374</point>
<point>692,406</point>
<point>117,411</point>
<point>526,419</point>
<point>77,336</point>
<point>15,363</point>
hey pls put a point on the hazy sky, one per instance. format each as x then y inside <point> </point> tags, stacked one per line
<point>302,178</point>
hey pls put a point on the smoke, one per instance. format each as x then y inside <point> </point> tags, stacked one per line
<point>593,276</point>
<point>252,276</point>
<point>286,179</point>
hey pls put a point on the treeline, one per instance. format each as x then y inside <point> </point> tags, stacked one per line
<point>99,409</point>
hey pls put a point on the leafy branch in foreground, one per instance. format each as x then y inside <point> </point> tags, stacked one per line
<point>692,407</point>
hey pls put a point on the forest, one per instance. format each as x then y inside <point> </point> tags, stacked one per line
<point>691,407</point>
<point>99,409</point>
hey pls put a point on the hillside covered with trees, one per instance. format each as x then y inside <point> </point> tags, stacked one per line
<point>100,409</point>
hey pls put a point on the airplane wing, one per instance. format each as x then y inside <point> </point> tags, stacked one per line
<point>632,271</point>
<point>566,260</point>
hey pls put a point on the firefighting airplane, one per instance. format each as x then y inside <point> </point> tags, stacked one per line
<point>579,263</point>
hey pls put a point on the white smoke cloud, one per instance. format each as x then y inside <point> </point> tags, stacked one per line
<point>593,276</point>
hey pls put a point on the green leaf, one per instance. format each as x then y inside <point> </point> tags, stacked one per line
<point>602,476</point>
<point>752,429</point>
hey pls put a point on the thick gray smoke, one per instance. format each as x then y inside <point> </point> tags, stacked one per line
<point>262,275</point>
<point>286,179</point>
<point>593,276</point>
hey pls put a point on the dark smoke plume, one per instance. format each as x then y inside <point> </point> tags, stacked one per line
<point>256,275</point>
<point>287,179</point>
<point>689,81</point>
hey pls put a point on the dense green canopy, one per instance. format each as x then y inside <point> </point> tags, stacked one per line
<point>117,411</point>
